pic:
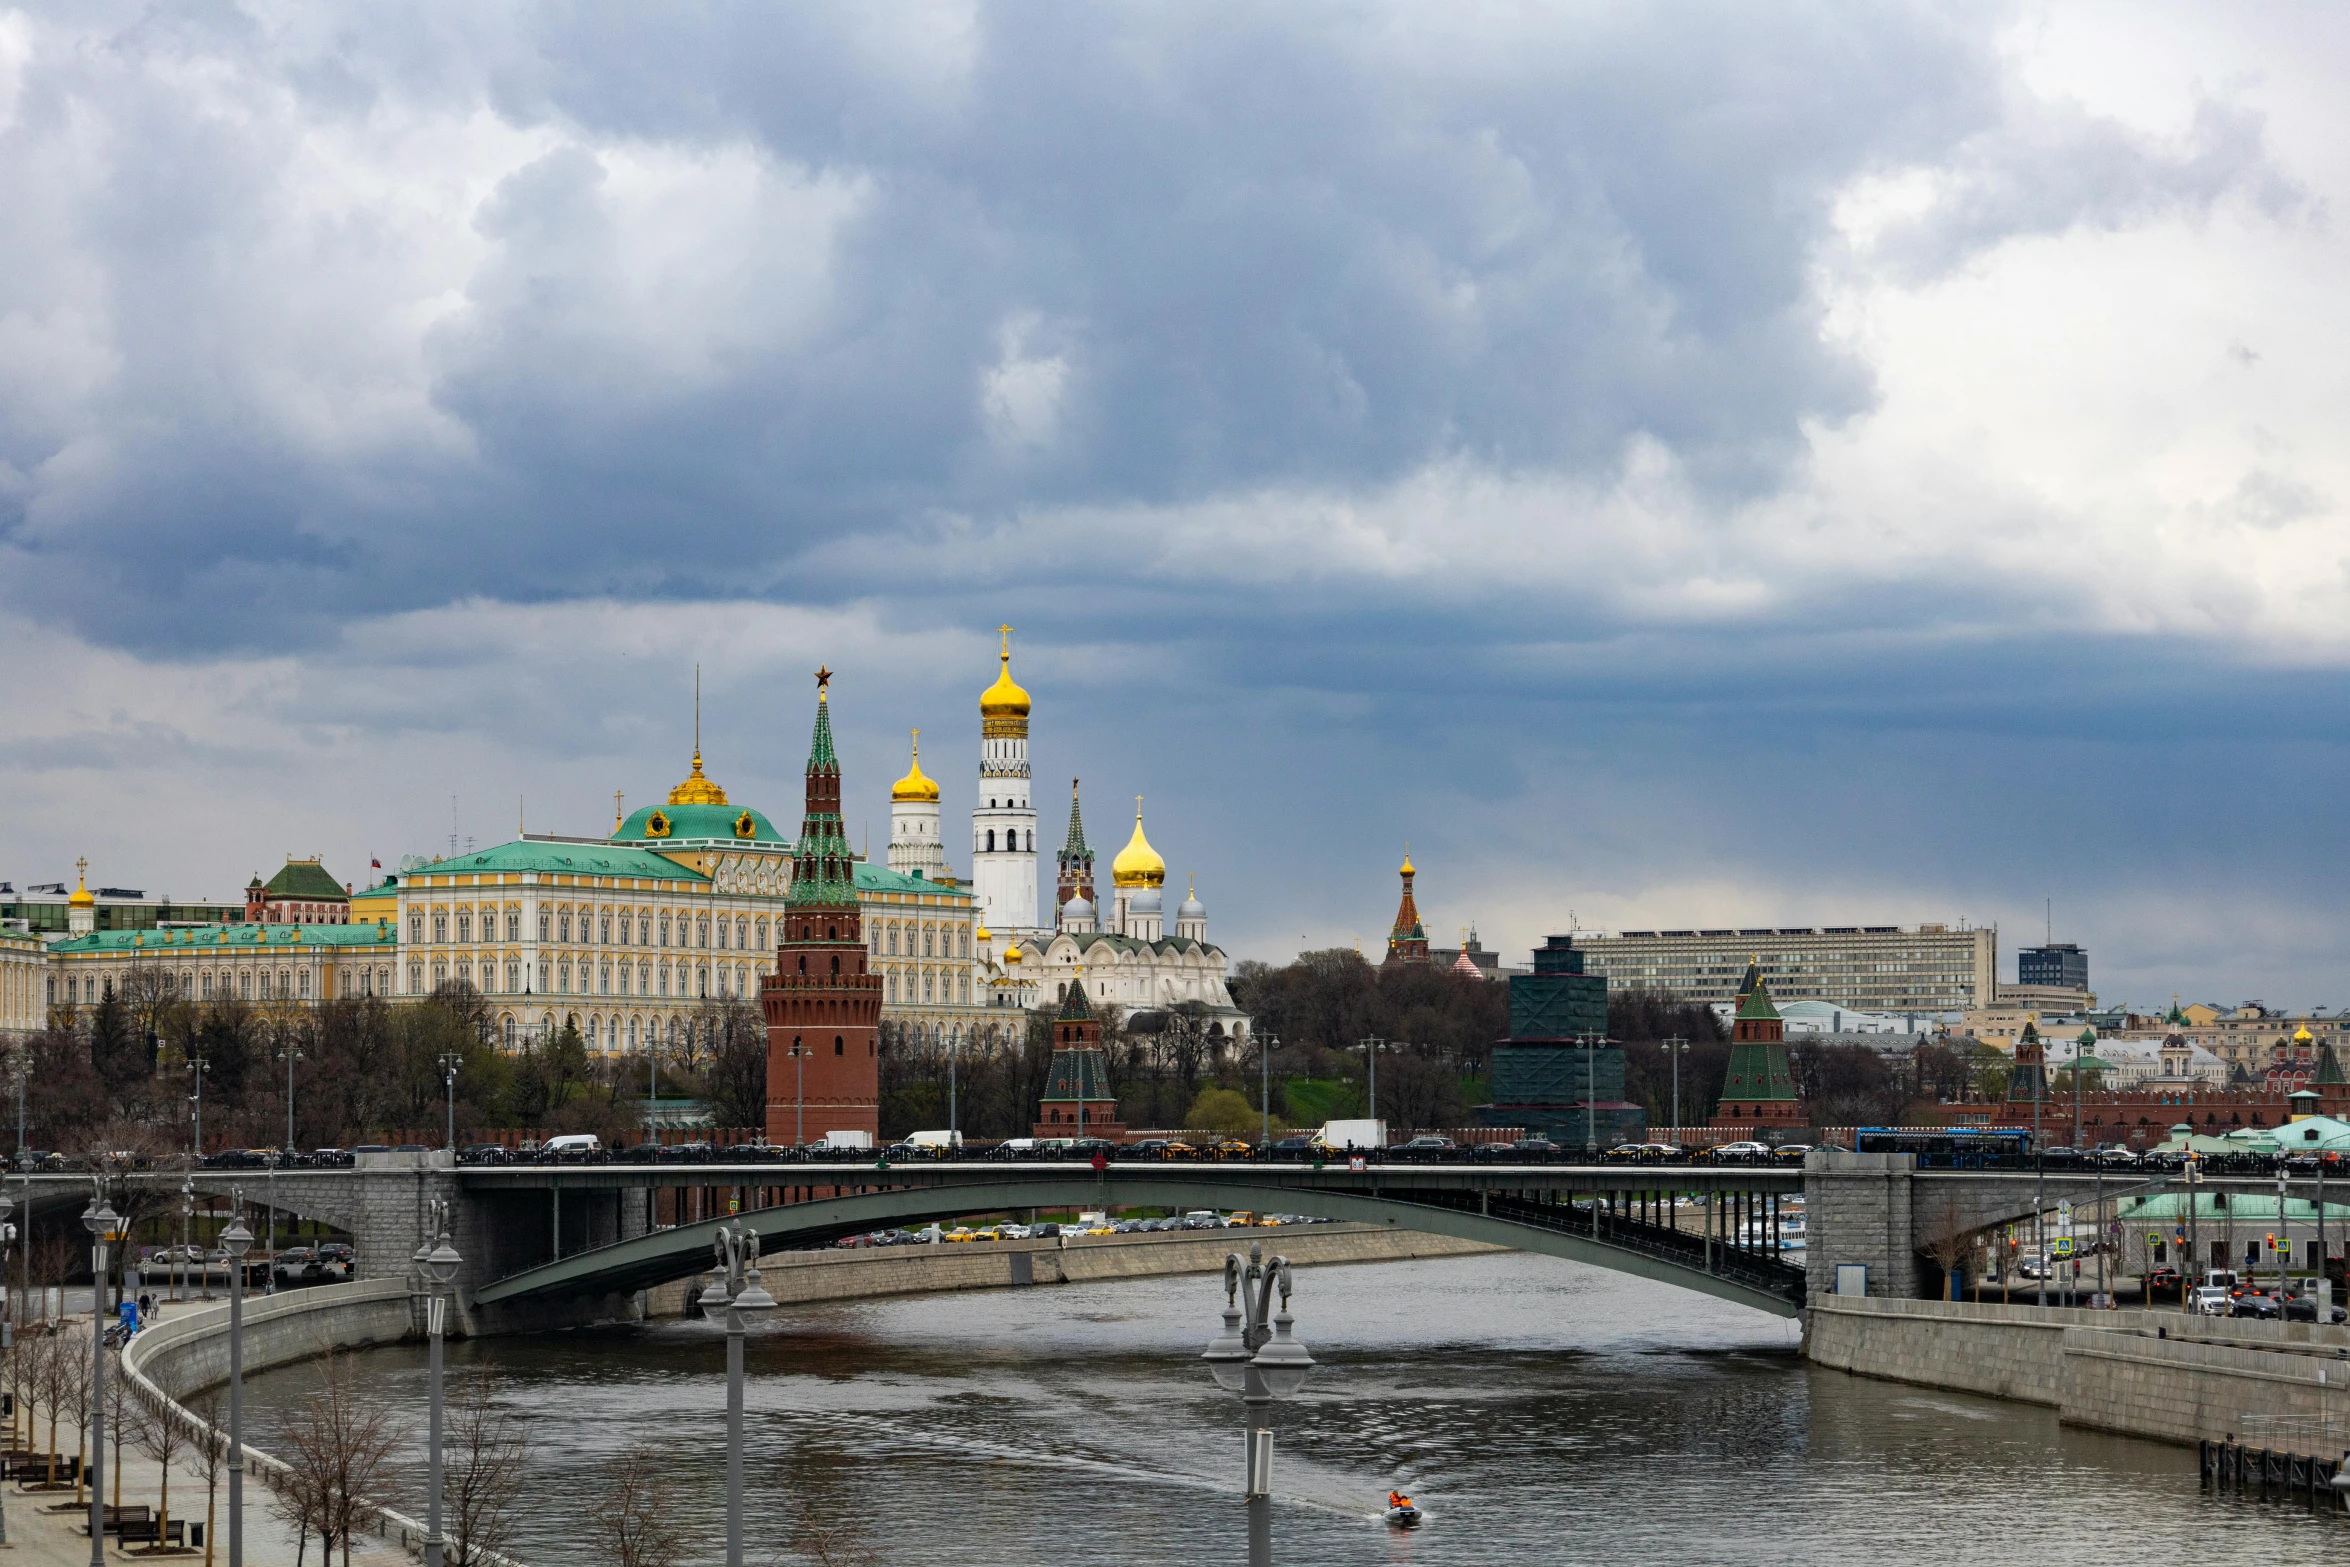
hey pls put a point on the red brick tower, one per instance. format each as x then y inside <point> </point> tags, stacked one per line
<point>1077,1095</point>
<point>823,1009</point>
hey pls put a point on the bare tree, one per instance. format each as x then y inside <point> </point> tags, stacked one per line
<point>336,1445</point>
<point>126,1417</point>
<point>487,1451</point>
<point>632,1520</point>
<point>165,1440</point>
<point>210,1444</point>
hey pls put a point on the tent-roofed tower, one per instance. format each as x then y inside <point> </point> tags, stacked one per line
<point>1759,1089</point>
<point>1077,1098</point>
<point>1076,862</point>
<point>1407,941</point>
<point>823,1009</point>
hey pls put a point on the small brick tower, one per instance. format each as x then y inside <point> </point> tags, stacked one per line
<point>1077,1095</point>
<point>1760,1088</point>
<point>823,1009</point>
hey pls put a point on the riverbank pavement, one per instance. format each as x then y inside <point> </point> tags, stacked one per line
<point>41,1537</point>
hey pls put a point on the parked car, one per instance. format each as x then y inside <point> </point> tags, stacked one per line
<point>1744,1152</point>
<point>2258,1304</point>
<point>332,1158</point>
<point>481,1153</point>
<point>1301,1148</point>
<point>299,1264</point>
<point>1790,1153</point>
<point>1428,1149</point>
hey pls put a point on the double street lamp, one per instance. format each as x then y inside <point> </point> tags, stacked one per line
<point>1257,1355</point>
<point>105,1226</point>
<point>236,1241</point>
<point>736,1289</point>
<point>436,1266</point>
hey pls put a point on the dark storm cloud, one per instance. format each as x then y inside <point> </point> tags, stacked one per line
<point>1204,249</point>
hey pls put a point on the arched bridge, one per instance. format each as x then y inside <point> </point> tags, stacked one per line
<point>1622,1220</point>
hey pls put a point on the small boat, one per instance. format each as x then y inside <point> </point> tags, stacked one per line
<point>1401,1514</point>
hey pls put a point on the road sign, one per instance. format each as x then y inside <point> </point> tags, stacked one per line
<point>2062,1246</point>
<point>2064,1212</point>
<point>2153,1239</point>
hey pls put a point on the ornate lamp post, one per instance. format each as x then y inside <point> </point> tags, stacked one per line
<point>102,1222</point>
<point>737,1290</point>
<point>1258,1356</point>
<point>437,1263</point>
<point>7,1328</point>
<point>179,1270</point>
<point>236,1241</point>
<point>1674,1048</point>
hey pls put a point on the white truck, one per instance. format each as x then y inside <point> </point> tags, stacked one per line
<point>935,1139</point>
<point>1358,1134</point>
<point>856,1142</point>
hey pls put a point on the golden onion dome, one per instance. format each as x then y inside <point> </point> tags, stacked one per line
<point>1138,864</point>
<point>1004,704</point>
<point>1012,955</point>
<point>2302,1035</point>
<point>982,934</point>
<point>916,785</point>
<point>81,898</point>
<point>1407,864</point>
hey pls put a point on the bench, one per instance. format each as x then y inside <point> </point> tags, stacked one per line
<point>143,1532</point>
<point>36,1467</point>
<point>134,1518</point>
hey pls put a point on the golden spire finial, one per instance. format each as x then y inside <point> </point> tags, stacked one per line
<point>617,816</point>
<point>697,718</point>
<point>1006,653</point>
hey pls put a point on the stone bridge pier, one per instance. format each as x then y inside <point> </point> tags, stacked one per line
<point>497,1232</point>
<point>1883,1212</point>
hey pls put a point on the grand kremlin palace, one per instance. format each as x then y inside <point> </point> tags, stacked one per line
<point>624,938</point>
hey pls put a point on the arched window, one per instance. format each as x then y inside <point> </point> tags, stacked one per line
<point>762,933</point>
<point>991,836</point>
<point>836,965</point>
<point>464,925</point>
<point>966,941</point>
<point>893,986</point>
<point>838,1048</point>
<point>416,929</point>
<point>508,1030</point>
<point>546,919</point>
<point>440,927</point>
<point>702,931</point>
<point>929,935</point>
<point>893,940</point>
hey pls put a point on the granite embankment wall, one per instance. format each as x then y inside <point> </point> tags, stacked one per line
<point>808,1277</point>
<point>2157,1374</point>
<point>187,1353</point>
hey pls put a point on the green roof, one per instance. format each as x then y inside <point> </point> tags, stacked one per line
<point>166,941</point>
<point>699,821</point>
<point>304,879</point>
<point>880,878</point>
<point>1755,1006</point>
<point>571,859</point>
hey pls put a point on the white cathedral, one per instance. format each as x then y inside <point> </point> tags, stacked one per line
<point>1129,961</point>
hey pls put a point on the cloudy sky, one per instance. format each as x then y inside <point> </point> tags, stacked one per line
<point>1671,464</point>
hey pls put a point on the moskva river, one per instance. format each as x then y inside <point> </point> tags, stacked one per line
<point>1539,1411</point>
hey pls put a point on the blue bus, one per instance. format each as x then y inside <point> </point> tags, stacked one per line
<point>1948,1147</point>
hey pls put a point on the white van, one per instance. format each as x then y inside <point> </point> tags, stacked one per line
<point>573,1148</point>
<point>935,1139</point>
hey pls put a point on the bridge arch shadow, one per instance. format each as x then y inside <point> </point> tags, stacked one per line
<point>1678,1258</point>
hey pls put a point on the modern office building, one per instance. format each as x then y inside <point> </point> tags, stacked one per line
<point>1863,968</point>
<point>2060,965</point>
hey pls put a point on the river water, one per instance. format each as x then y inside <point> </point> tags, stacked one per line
<point>1538,1410</point>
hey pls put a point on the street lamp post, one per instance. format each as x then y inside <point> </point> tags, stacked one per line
<point>1265,1103</point>
<point>179,1270</point>
<point>101,1221</point>
<point>1371,1048</point>
<point>799,1094</point>
<point>1673,1047</point>
<point>197,1066</point>
<point>236,1240</point>
<point>437,1262</point>
<point>7,1328</point>
<point>737,1289</point>
<point>1257,1355</point>
<point>449,1064</point>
